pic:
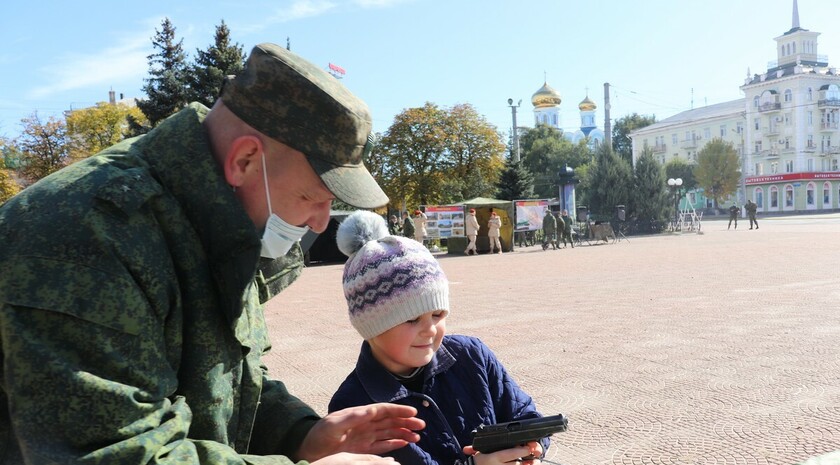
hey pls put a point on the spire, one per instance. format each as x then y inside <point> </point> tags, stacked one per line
<point>795,24</point>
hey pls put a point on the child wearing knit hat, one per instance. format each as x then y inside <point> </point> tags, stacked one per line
<point>398,300</point>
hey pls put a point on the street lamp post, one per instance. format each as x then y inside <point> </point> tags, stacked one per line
<point>675,184</point>
<point>515,130</point>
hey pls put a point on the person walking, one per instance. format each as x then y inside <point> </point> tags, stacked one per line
<point>549,227</point>
<point>494,226</point>
<point>472,232</point>
<point>733,216</point>
<point>752,208</point>
<point>566,229</point>
<point>131,321</point>
<point>398,301</point>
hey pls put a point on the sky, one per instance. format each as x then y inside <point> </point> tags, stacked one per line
<point>660,57</point>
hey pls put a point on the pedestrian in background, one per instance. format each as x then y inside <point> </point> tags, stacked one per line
<point>394,226</point>
<point>549,227</point>
<point>494,226</point>
<point>420,220</point>
<point>566,228</point>
<point>733,216</point>
<point>408,225</point>
<point>752,208</point>
<point>472,232</point>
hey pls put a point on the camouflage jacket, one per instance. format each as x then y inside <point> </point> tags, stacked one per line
<point>130,321</point>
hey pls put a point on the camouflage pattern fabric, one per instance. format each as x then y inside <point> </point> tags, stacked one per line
<point>130,321</point>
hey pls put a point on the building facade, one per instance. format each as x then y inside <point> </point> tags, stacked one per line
<point>786,129</point>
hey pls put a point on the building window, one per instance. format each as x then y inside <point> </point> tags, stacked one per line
<point>810,141</point>
<point>692,198</point>
<point>810,118</point>
<point>722,130</point>
<point>774,197</point>
<point>739,128</point>
<point>788,196</point>
<point>757,124</point>
<point>787,143</point>
<point>811,164</point>
<point>674,139</point>
<point>810,199</point>
<point>758,146</point>
<point>774,167</point>
<point>788,95</point>
<point>789,166</point>
<point>759,197</point>
<point>554,119</point>
<point>707,133</point>
<point>759,169</point>
<point>755,101</point>
<point>827,194</point>
<point>834,164</point>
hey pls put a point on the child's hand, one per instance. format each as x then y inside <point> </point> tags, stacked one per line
<point>507,456</point>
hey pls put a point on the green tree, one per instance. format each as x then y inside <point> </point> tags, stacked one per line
<point>545,152</point>
<point>610,183</point>
<point>166,88</point>
<point>43,147</point>
<point>650,197</point>
<point>515,182</point>
<point>679,168</point>
<point>433,155</point>
<point>91,130</point>
<point>718,169</point>
<point>8,186</point>
<point>222,58</point>
<point>474,150</point>
<point>621,143</point>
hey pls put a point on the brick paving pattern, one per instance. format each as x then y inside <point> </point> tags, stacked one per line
<point>713,348</point>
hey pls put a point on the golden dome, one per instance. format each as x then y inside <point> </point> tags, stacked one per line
<point>546,97</point>
<point>587,105</point>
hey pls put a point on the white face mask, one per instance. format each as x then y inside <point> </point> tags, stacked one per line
<point>279,236</point>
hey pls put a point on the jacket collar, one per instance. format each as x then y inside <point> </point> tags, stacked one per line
<point>381,386</point>
<point>179,153</point>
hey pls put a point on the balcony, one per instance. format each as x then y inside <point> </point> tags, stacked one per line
<point>769,106</point>
<point>829,126</point>
<point>810,148</point>
<point>659,148</point>
<point>771,131</point>
<point>829,150</point>
<point>828,102</point>
<point>689,143</point>
<point>770,153</point>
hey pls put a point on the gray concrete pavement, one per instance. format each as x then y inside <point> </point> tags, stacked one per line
<point>713,348</point>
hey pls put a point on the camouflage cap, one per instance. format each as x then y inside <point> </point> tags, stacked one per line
<point>294,102</point>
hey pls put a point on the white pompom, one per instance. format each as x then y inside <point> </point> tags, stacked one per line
<point>359,228</point>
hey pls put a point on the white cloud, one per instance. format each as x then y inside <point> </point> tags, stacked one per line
<point>114,64</point>
<point>299,9</point>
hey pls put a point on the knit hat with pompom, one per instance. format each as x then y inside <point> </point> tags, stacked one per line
<point>388,280</point>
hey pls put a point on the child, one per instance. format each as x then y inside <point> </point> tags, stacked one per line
<point>398,299</point>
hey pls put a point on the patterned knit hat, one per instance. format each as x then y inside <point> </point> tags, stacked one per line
<point>388,280</point>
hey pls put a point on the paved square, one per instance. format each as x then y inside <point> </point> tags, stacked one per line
<point>713,348</point>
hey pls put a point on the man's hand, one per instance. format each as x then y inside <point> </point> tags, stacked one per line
<point>369,429</point>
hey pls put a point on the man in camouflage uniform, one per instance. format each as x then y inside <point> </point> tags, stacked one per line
<point>130,322</point>
<point>566,231</point>
<point>549,227</point>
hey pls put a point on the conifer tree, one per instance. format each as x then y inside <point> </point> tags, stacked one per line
<point>515,182</point>
<point>610,183</point>
<point>211,66</point>
<point>166,88</point>
<point>651,200</point>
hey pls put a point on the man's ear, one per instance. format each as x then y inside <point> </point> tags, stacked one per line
<point>243,159</point>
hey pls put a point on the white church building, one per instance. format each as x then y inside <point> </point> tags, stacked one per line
<point>546,102</point>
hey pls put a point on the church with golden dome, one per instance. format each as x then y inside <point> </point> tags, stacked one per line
<point>546,102</point>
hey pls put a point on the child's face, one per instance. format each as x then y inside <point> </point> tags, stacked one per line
<point>409,345</point>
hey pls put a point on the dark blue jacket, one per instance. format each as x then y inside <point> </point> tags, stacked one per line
<point>464,386</point>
